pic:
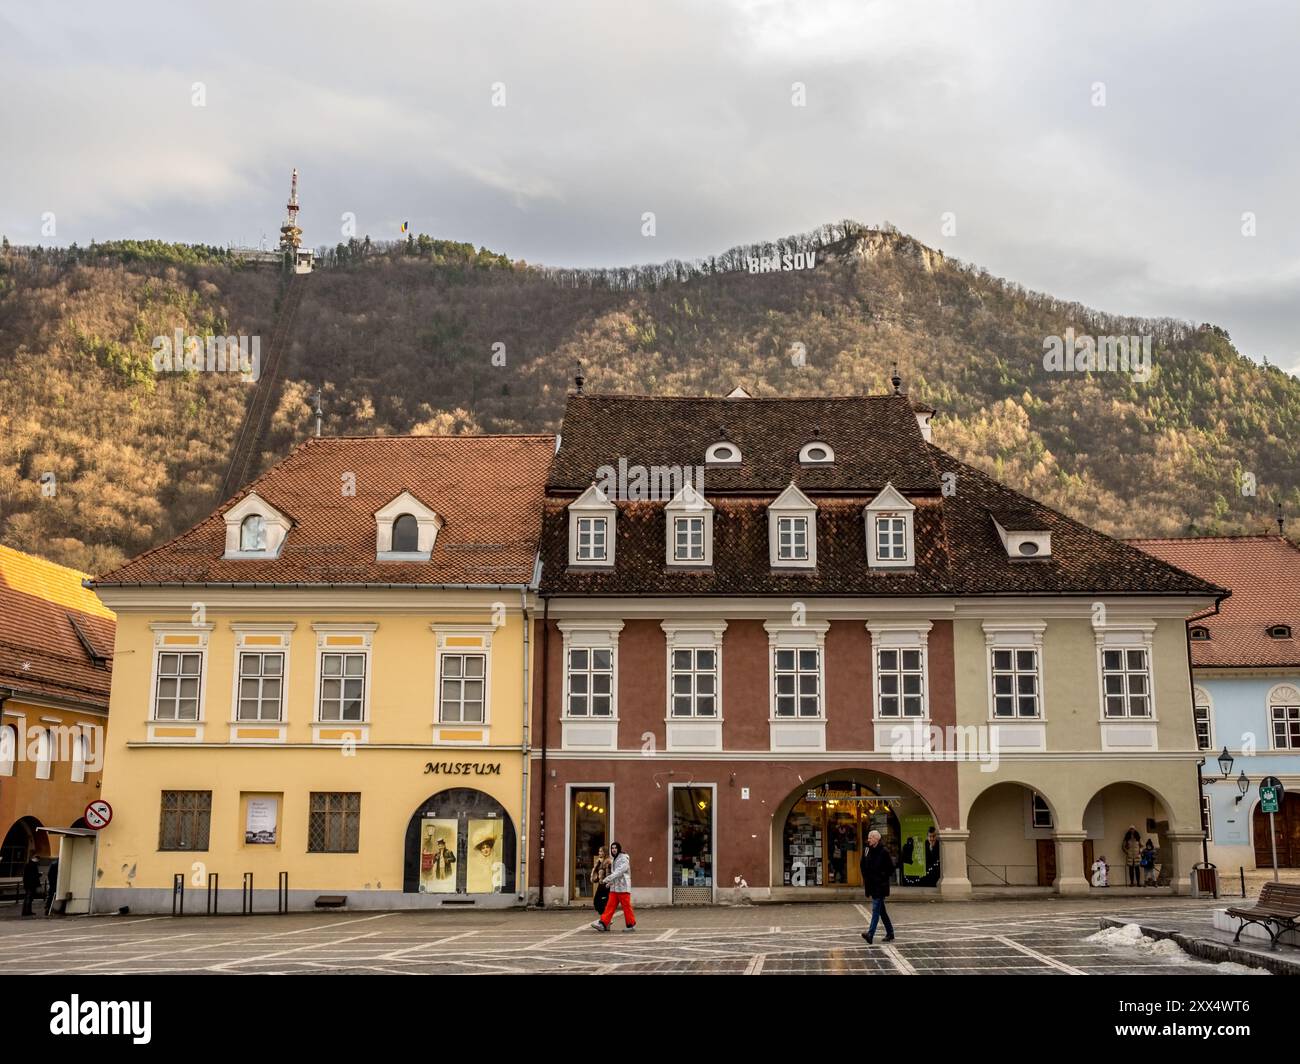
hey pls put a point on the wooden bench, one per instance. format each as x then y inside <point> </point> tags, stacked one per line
<point>11,889</point>
<point>1277,910</point>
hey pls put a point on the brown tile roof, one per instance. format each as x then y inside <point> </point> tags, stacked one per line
<point>488,490</point>
<point>876,439</point>
<point>41,607</point>
<point>1264,575</point>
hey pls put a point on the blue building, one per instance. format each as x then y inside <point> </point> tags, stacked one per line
<point>1246,690</point>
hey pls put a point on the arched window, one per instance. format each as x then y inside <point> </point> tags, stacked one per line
<point>406,534</point>
<point>8,749</point>
<point>252,533</point>
<point>725,453</point>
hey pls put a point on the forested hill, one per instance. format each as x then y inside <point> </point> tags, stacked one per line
<point>102,457</point>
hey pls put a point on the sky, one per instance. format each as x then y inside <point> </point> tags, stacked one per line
<point>1139,157</point>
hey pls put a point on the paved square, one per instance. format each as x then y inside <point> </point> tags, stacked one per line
<point>973,938</point>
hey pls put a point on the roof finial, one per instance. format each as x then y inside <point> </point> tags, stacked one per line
<point>319,412</point>
<point>896,381</point>
<point>1281,521</point>
<point>578,378</point>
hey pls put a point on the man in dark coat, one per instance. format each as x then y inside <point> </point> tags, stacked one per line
<point>877,870</point>
<point>51,885</point>
<point>31,883</point>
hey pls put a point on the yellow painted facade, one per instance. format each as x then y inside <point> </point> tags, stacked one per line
<point>395,758</point>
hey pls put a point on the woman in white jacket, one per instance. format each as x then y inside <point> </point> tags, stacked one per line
<point>619,882</point>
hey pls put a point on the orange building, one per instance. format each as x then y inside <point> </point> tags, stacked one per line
<point>56,646</point>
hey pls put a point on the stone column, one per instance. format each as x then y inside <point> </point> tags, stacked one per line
<point>1071,876</point>
<point>954,882</point>
<point>1182,849</point>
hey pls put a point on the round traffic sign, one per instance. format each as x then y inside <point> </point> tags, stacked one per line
<point>98,814</point>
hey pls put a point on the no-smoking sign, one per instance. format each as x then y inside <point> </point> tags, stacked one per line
<point>98,814</point>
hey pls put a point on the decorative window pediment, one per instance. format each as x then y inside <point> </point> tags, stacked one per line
<point>689,523</point>
<point>792,530</point>
<point>891,530</point>
<point>254,529</point>
<point>405,530</point>
<point>591,529</point>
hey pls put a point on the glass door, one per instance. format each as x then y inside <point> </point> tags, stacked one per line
<point>692,845</point>
<point>588,838</point>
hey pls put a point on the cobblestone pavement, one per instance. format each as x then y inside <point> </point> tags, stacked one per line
<point>971,938</point>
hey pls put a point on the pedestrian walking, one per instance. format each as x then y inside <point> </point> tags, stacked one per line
<point>619,882</point>
<point>600,868</point>
<point>877,869</point>
<point>31,883</point>
<point>1133,855</point>
<point>51,885</point>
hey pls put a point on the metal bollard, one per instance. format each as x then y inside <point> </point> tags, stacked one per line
<point>178,894</point>
<point>282,893</point>
<point>248,893</point>
<point>213,893</point>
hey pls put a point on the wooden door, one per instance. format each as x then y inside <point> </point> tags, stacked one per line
<point>1286,827</point>
<point>1046,862</point>
<point>1089,855</point>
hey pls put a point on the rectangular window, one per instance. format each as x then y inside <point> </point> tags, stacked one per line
<point>1202,716</point>
<point>1126,683</point>
<point>463,677</point>
<point>1286,727</point>
<point>798,683</point>
<point>334,822</point>
<point>1015,682</point>
<point>261,686</point>
<point>1207,823</point>
<point>342,686</point>
<point>591,539</point>
<point>792,539</point>
<point>695,683</point>
<point>902,682</point>
<point>177,696</point>
<point>688,539</point>
<point>591,680</point>
<point>1042,812</point>
<point>186,818</point>
<point>890,542</point>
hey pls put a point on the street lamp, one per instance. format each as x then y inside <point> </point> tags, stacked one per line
<point>1243,785</point>
<point>1225,763</point>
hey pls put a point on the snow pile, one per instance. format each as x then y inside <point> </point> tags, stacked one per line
<point>1165,949</point>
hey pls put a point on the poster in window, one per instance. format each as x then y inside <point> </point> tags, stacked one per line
<point>437,856</point>
<point>486,873</point>
<point>914,828</point>
<point>260,819</point>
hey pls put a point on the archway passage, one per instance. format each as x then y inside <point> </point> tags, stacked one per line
<point>823,834</point>
<point>1119,821</point>
<point>1012,838</point>
<point>460,841</point>
<point>1286,830</point>
<point>20,842</point>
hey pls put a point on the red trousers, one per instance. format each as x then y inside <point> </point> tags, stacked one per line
<point>615,901</point>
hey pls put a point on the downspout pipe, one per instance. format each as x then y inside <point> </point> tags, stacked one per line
<point>526,616</point>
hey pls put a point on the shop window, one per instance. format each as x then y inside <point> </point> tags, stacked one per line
<point>462,699</point>
<point>826,830</point>
<point>588,839</point>
<point>1126,683</point>
<point>334,822</point>
<point>177,694</point>
<point>692,844</point>
<point>460,841</point>
<point>186,820</point>
<point>261,680</point>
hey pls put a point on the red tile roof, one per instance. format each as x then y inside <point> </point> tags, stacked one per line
<point>487,490</point>
<point>1263,573</point>
<point>41,607</point>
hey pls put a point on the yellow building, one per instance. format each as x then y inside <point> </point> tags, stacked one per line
<point>321,689</point>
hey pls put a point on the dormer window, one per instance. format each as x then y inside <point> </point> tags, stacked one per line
<point>406,534</point>
<point>255,530</point>
<point>890,530</point>
<point>792,531</point>
<point>252,533</point>
<point>689,519</point>
<point>816,454</point>
<point>406,530</point>
<point>591,529</point>
<point>1198,633</point>
<point>1280,631</point>
<point>1023,534</point>
<point>724,453</point>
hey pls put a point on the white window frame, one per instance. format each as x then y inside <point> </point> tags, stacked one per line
<point>1281,696</point>
<point>805,457</point>
<point>1124,635</point>
<point>260,638</point>
<point>694,636</point>
<point>900,636</point>
<point>1201,699</point>
<point>260,677</point>
<point>711,454</point>
<point>890,505</point>
<point>801,733</point>
<point>275,528</point>
<point>1207,817</point>
<point>462,639</point>
<point>464,654</point>
<point>792,503</point>
<point>688,505</point>
<point>343,638</point>
<point>1013,636</point>
<point>590,732</point>
<point>428,523</point>
<point>592,503</point>
<point>1127,696</point>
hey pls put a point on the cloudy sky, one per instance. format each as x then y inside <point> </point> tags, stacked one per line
<point>1102,152</point>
